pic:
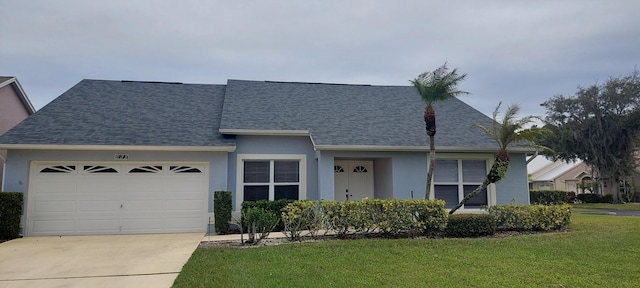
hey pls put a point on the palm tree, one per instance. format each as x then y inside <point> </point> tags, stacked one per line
<point>511,131</point>
<point>437,85</point>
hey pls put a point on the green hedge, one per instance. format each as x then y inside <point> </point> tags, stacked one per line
<point>369,216</point>
<point>10,213</point>
<point>531,217</point>
<point>548,197</point>
<point>595,198</point>
<point>274,207</point>
<point>470,225</point>
<point>222,206</point>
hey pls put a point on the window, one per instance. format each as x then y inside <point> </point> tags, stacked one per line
<point>59,169</point>
<point>271,177</point>
<point>455,179</point>
<point>99,169</point>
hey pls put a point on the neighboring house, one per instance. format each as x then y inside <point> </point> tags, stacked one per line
<point>109,157</point>
<point>559,175</point>
<point>14,107</point>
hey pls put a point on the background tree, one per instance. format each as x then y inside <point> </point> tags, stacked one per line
<point>507,133</point>
<point>437,85</point>
<point>600,124</point>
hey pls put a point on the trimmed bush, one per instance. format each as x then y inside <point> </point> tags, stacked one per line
<point>531,217</point>
<point>274,207</point>
<point>260,223</point>
<point>548,197</point>
<point>607,198</point>
<point>222,207</point>
<point>370,216</point>
<point>589,198</point>
<point>10,212</point>
<point>470,225</point>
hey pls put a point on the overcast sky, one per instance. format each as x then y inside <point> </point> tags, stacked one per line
<point>520,52</point>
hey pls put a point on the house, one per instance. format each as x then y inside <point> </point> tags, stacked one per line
<point>14,107</point>
<point>109,157</point>
<point>545,174</point>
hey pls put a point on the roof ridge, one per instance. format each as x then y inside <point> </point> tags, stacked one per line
<point>150,82</point>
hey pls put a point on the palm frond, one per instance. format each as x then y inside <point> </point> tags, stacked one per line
<point>439,84</point>
<point>512,130</point>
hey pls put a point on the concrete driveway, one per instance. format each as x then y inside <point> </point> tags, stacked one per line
<point>96,261</point>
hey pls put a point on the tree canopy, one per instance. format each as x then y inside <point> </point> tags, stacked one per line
<point>599,124</point>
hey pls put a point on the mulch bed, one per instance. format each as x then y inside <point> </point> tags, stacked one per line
<point>280,241</point>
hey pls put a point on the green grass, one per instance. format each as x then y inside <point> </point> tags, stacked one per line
<point>601,251</point>
<point>607,206</point>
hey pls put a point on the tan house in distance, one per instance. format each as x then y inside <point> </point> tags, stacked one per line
<point>559,175</point>
<point>14,107</point>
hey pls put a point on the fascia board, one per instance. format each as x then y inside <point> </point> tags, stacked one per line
<point>116,147</point>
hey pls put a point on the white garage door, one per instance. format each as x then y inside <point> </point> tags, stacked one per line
<point>116,198</point>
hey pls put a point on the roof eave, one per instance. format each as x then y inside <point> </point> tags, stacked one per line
<point>13,81</point>
<point>415,148</point>
<point>117,147</point>
<point>256,132</point>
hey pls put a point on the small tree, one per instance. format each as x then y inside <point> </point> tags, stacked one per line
<point>510,131</point>
<point>437,85</point>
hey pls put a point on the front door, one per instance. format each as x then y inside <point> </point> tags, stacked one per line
<point>353,179</point>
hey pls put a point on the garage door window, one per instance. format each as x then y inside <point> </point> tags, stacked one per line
<point>146,169</point>
<point>59,169</point>
<point>99,169</point>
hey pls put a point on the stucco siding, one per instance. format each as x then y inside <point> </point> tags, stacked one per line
<point>12,112</point>
<point>18,161</point>
<point>515,185</point>
<point>408,170</point>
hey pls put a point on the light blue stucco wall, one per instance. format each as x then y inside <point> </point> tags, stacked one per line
<point>275,145</point>
<point>515,186</point>
<point>18,161</point>
<point>408,171</point>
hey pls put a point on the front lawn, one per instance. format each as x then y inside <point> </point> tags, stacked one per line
<point>602,251</point>
<point>608,206</point>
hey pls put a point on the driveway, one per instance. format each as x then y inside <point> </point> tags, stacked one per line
<point>96,261</point>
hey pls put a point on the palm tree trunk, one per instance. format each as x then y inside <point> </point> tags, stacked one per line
<point>472,194</point>
<point>432,163</point>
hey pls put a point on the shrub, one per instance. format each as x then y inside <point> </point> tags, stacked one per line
<point>589,198</point>
<point>274,207</point>
<point>470,225</point>
<point>531,217</point>
<point>260,223</point>
<point>301,216</point>
<point>386,217</point>
<point>548,197</point>
<point>608,198</point>
<point>222,207</point>
<point>10,213</point>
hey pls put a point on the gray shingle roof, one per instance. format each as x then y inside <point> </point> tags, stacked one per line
<point>99,112</point>
<point>338,114</point>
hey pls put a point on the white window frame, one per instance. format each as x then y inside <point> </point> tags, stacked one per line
<point>241,158</point>
<point>491,190</point>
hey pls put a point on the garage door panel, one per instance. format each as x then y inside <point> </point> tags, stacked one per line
<point>182,184</point>
<point>99,198</point>
<point>53,227</point>
<point>190,223</point>
<point>188,205</point>
<point>99,205</point>
<point>49,206</point>
<point>144,205</point>
<point>100,226</point>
